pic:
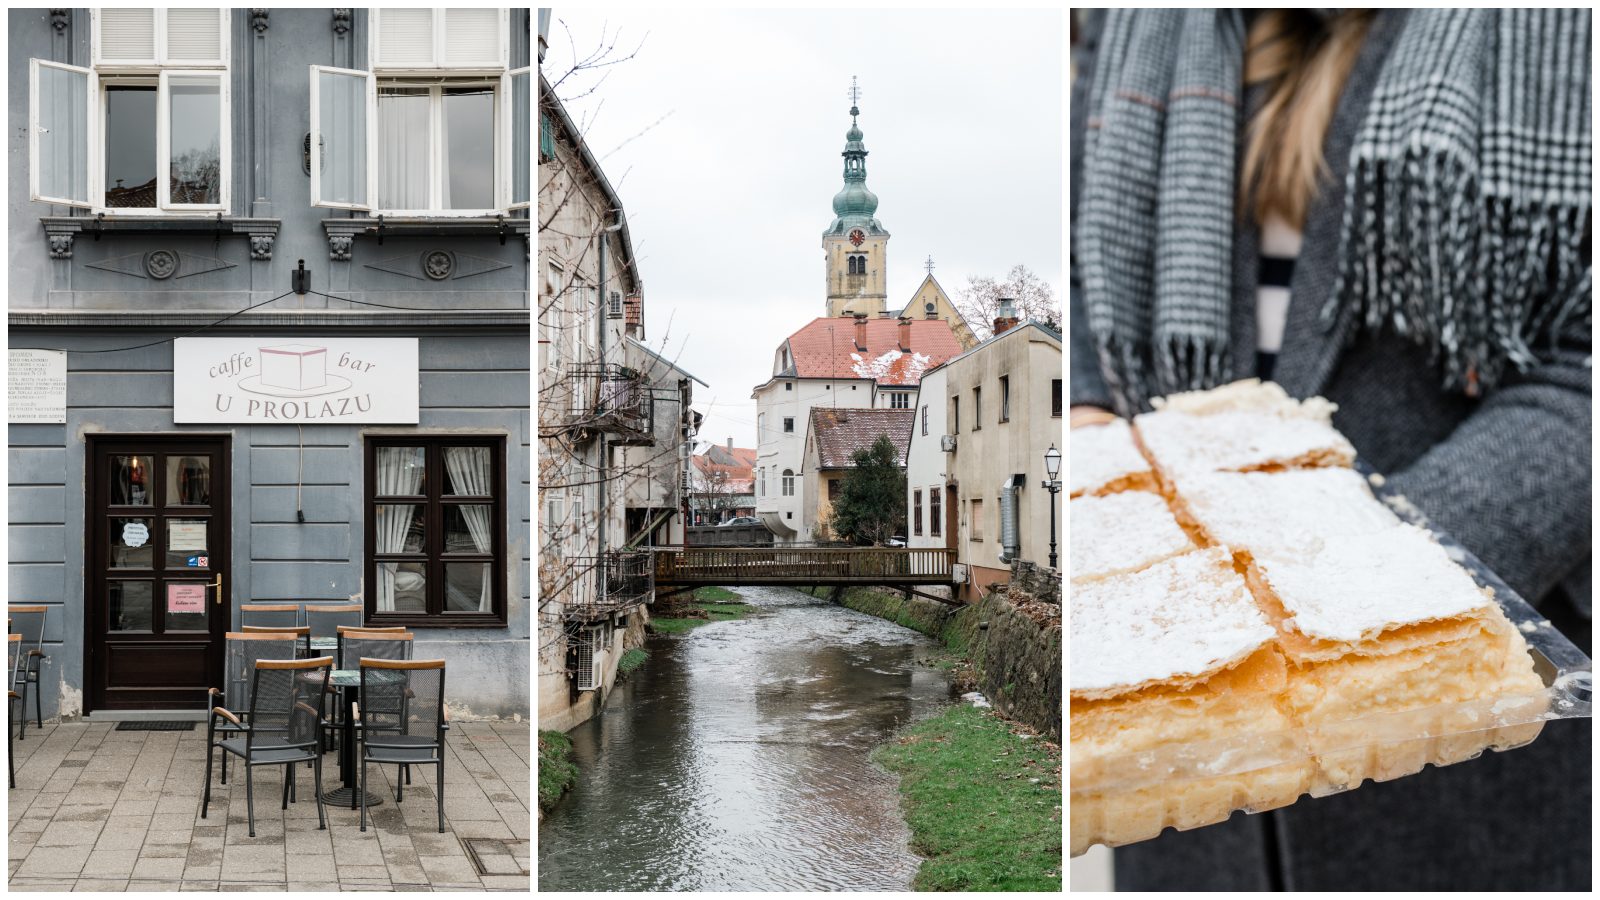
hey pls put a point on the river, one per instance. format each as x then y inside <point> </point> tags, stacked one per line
<point>736,759</point>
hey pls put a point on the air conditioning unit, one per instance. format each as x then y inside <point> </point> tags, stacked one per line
<point>591,646</point>
<point>947,443</point>
<point>616,305</point>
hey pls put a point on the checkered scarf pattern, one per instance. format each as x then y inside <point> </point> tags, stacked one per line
<point>1467,197</point>
<point>1469,190</point>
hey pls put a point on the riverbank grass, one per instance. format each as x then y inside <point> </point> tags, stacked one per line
<point>556,773</point>
<point>706,599</point>
<point>976,813</point>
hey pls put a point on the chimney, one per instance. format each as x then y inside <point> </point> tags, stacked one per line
<point>883,314</point>
<point>861,331</point>
<point>905,334</point>
<point>1007,318</point>
<point>730,445</point>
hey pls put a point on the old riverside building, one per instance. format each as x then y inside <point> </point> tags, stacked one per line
<point>615,430</point>
<point>205,427</point>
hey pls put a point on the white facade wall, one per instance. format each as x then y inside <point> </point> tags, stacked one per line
<point>926,464</point>
<point>778,450</point>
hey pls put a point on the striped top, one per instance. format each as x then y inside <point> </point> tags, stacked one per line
<point>1280,247</point>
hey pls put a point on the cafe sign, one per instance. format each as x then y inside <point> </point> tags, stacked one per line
<point>299,381</point>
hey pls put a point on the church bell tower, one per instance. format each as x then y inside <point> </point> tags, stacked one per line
<point>855,245</point>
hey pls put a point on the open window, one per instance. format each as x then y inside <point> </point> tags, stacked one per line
<point>147,129</point>
<point>60,132</point>
<point>341,133</point>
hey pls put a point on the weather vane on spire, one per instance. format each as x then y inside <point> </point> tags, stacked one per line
<point>855,92</point>
<point>929,264</point>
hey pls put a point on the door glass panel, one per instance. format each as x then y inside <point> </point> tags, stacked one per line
<point>188,544</point>
<point>403,148</point>
<point>467,587</point>
<point>130,607</point>
<point>188,480</point>
<point>402,587</point>
<point>63,134</point>
<point>130,481</point>
<point>132,543</point>
<point>131,146</point>
<point>400,472</point>
<point>342,111</point>
<point>466,529</point>
<point>466,471</point>
<point>196,171</point>
<point>187,606</point>
<point>399,528</point>
<point>469,148</point>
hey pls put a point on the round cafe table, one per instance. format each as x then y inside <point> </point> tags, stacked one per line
<point>348,681</point>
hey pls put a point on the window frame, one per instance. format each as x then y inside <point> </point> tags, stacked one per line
<point>92,131</point>
<point>977,408</point>
<point>924,420</point>
<point>975,520</point>
<point>935,508</point>
<point>374,44</point>
<point>434,556</point>
<point>161,59</point>
<point>371,122</point>
<point>1055,397</point>
<point>1005,398</point>
<point>916,512</point>
<point>787,482</point>
<point>788,424</point>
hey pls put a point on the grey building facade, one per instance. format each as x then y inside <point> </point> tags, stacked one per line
<point>420,232</point>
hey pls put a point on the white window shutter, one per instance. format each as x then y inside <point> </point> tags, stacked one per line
<point>471,37</point>
<point>127,34</point>
<point>194,35</point>
<point>405,37</point>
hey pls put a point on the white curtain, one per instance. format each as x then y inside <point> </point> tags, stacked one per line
<point>469,475</point>
<point>399,474</point>
<point>403,148</point>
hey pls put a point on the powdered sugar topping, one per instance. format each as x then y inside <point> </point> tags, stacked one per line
<point>1122,533</point>
<point>1259,510</point>
<point>1185,617</point>
<point>1235,440</point>
<point>1101,454</point>
<point>1354,587</point>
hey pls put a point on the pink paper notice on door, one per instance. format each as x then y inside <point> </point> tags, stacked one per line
<point>186,598</point>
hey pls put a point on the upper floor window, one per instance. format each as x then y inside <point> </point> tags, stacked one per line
<point>1005,398</point>
<point>788,424</point>
<point>788,482</point>
<point>147,127</point>
<point>1055,397</point>
<point>438,127</point>
<point>924,420</point>
<point>977,408</point>
<point>898,400</point>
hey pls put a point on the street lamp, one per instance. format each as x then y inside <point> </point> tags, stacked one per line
<point>1052,465</point>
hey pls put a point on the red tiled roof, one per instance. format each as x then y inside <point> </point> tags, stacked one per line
<point>819,354</point>
<point>841,432</point>
<point>732,472</point>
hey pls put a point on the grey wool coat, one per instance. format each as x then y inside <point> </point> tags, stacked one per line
<point>1509,474</point>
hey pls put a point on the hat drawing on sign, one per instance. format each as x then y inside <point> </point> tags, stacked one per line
<point>294,370</point>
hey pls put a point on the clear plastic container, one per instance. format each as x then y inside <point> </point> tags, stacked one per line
<point>1117,800</point>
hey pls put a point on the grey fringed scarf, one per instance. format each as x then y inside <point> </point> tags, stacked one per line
<point>1467,196</point>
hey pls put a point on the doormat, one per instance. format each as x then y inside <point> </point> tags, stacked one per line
<point>493,856</point>
<point>126,725</point>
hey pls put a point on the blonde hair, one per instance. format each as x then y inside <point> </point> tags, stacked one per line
<point>1305,60</point>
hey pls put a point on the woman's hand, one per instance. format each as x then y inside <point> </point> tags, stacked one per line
<point>1090,415</point>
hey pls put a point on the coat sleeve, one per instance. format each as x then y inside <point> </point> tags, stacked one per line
<point>1513,481</point>
<point>1086,385</point>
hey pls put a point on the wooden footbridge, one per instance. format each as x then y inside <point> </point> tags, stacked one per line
<point>905,568</point>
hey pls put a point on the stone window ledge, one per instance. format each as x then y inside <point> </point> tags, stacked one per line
<point>61,230</point>
<point>342,232</point>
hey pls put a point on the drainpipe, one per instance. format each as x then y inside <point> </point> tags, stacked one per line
<point>1010,533</point>
<point>605,305</point>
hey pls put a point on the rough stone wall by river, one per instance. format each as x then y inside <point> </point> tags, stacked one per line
<point>737,758</point>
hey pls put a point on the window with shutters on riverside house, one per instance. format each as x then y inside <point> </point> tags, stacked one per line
<point>146,126</point>
<point>916,511</point>
<point>934,511</point>
<point>439,126</point>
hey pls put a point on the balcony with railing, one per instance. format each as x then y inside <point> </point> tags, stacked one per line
<point>612,399</point>
<point>613,582</point>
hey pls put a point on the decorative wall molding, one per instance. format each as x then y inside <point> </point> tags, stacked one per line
<point>339,246</point>
<point>341,21</point>
<point>60,19</point>
<point>60,246</point>
<point>409,265</point>
<point>468,266</point>
<point>261,246</point>
<point>438,265</point>
<point>258,19</point>
<point>160,265</point>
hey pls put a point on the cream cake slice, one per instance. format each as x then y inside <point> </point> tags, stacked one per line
<point>1176,653</point>
<point>1104,460</point>
<point>1123,532</point>
<point>1257,511</point>
<point>1241,427</point>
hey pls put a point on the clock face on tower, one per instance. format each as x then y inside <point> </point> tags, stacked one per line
<point>856,237</point>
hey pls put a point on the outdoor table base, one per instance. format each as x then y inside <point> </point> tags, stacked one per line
<point>348,681</point>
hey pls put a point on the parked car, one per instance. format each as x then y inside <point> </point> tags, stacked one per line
<point>740,520</point>
<point>898,540</point>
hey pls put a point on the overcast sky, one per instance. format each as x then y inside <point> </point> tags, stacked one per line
<point>727,197</point>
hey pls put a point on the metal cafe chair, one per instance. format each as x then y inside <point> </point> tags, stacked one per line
<point>325,620</point>
<point>29,621</point>
<point>385,643</point>
<point>14,656</point>
<point>366,632</point>
<point>302,633</point>
<point>284,727</point>
<point>243,650</point>
<point>402,720</point>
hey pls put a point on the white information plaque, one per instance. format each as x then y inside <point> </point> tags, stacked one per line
<point>36,387</point>
<point>295,380</point>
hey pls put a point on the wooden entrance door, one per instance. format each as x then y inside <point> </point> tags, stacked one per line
<point>157,548</point>
<point>952,518</point>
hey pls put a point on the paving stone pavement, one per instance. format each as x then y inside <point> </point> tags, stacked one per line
<point>96,809</point>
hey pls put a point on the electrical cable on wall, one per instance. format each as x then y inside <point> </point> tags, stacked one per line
<point>300,477</point>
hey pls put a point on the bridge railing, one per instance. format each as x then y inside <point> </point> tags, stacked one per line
<point>734,565</point>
